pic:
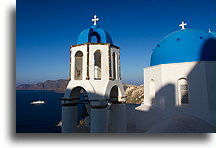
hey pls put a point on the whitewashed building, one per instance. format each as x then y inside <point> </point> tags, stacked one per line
<point>94,75</point>
<point>180,84</point>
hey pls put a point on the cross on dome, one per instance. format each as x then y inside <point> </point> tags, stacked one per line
<point>183,24</point>
<point>209,30</point>
<point>95,19</point>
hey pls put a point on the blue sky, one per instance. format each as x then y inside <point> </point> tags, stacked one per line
<point>46,29</point>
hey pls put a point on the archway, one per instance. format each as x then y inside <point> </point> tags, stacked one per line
<point>95,38</point>
<point>114,93</point>
<point>83,108</point>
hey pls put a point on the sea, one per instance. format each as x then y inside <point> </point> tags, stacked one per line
<point>41,118</point>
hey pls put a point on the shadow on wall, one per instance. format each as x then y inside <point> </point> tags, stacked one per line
<point>167,115</point>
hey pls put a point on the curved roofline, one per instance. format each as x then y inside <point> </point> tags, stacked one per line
<point>184,46</point>
<point>179,31</point>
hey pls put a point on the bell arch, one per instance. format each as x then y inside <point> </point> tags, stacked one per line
<point>97,65</point>
<point>78,65</point>
<point>114,93</point>
<point>83,108</point>
<point>95,38</point>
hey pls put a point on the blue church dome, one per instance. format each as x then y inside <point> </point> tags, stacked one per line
<point>101,35</point>
<point>185,46</point>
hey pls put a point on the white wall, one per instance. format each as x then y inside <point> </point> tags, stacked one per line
<point>151,73</point>
<point>201,80</point>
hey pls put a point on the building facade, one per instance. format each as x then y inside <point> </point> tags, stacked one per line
<point>95,75</point>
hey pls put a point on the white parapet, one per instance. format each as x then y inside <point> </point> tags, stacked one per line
<point>69,119</point>
<point>99,120</point>
<point>118,118</point>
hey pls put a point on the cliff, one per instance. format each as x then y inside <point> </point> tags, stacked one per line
<point>134,93</point>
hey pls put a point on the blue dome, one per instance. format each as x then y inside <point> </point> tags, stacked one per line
<point>102,36</point>
<point>185,46</point>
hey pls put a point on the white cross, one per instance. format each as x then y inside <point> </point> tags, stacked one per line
<point>95,19</point>
<point>209,30</point>
<point>182,25</point>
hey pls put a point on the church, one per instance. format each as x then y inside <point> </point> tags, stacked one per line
<point>179,93</point>
<point>179,86</point>
<point>94,75</point>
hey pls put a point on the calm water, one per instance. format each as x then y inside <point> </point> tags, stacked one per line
<point>37,118</point>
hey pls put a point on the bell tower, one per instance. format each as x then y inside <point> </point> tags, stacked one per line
<point>95,84</point>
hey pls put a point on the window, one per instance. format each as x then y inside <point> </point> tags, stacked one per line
<point>152,91</point>
<point>97,65</point>
<point>114,65</point>
<point>78,65</point>
<point>183,91</point>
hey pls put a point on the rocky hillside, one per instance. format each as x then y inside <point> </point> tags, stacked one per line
<point>55,85</point>
<point>134,93</point>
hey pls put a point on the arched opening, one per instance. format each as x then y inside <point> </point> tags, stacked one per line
<point>183,91</point>
<point>78,65</point>
<point>97,65</point>
<point>152,91</point>
<point>83,108</point>
<point>114,93</point>
<point>114,65</point>
<point>95,38</point>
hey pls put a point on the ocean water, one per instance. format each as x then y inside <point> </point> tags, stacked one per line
<point>37,118</point>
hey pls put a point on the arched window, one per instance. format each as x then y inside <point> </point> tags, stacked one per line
<point>114,65</point>
<point>78,65</point>
<point>152,91</point>
<point>117,66</point>
<point>183,91</point>
<point>97,65</point>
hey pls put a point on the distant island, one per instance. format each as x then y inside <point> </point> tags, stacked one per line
<point>134,93</point>
<point>58,86</point>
